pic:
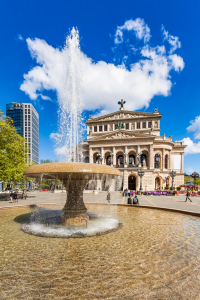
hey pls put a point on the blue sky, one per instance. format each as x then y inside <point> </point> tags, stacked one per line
<point>176,95</point>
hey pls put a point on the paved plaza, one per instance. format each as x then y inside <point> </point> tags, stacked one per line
<point>169,202</point>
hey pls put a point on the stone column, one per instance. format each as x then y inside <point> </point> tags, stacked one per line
<point>137,151</point>
<point>125,179</point>
<point>90,156</point>
<point>182,162</point>
<point>125,157</point>
<point>102,155</point>
<point>114,157</point>
<point>163,159</point>
<point>151,157</point>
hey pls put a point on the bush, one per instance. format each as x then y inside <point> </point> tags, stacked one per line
<point>142,193</point>
<point>178,188</point>
<point>167,187</point>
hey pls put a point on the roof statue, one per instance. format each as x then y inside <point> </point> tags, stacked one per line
<point>122,102</point>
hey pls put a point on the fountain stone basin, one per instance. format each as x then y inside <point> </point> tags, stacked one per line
<point>75,177</point>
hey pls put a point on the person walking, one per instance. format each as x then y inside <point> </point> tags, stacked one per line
<point>108,197</point>
<point>24,195</point>
<point>15,197</point>
<point>11,196</point>
<point>187,196</point>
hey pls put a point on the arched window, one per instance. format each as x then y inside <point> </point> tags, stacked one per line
<point>108,160</point>
<point>166,161</point>
<point>120,160</point>
<point>86,159</point>
<point>132,159</point>
<point>157,161</point>
<point>143,160</point>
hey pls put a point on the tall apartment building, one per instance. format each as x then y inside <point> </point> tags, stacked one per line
<point>26,120</point>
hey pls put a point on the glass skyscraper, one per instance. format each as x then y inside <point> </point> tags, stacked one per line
<point>26,120</point>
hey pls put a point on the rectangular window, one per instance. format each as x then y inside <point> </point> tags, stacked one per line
<point>116,126</point>
<point>25,128</point>
<point>29,111</point>
<point>138,125</point>
<point>25,106</point>
<point>100,128</point>
<point>95,128</point>
<point>25,111</point>
<point>149,124</point>
<point>127,126</point>
<point>105,127</point>
<point>144,124</point>
<point>25,123</point>
<point>29,124</point>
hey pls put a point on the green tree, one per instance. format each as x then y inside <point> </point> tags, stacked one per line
<point>12,151</point>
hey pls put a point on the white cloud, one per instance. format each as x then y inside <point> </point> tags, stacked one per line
<point>192,148</point>
<point>189,170</point>
<point>195,127</point>
<point>173,40</point>
<point>54,136</point>
<point>45,97</point>
<point>104,84</point>
<point>138,26</point>
<point>61,151</point>
<point>20,37</point>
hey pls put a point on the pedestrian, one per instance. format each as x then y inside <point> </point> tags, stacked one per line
<point>129,193</point>
<point>11,196</point>
<point>132,193</point>
<point>15,197</point>
<point>108,197</point>
<point>129,200</point>
<point>187,196</point>
<point>135,200</point>
<point>24,195</point>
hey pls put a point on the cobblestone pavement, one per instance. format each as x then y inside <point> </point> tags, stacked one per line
<point>170,202</point>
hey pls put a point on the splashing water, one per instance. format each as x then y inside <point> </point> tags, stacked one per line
<point>71,123</point>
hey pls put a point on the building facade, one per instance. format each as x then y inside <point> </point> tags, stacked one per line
<point>26,120</point>
<point>131,141</point>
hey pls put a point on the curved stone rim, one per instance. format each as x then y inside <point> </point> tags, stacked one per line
<point>71,167</point>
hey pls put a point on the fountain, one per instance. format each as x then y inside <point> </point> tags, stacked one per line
<point>75,177</point>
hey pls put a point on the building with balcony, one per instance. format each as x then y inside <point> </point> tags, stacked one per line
<point>131,141</point>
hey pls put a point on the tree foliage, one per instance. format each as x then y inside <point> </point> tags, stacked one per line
<point>12,151</point>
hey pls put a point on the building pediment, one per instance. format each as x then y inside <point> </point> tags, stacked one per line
<point>125,114</point>
<point>121,134</point>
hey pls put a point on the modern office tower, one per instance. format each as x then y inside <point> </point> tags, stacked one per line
<point>26,120</point>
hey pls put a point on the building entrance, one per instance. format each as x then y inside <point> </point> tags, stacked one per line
<point>132,183</point>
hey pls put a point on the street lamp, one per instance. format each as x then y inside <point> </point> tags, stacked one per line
<point>195,175</point>
<point>172,175</point>
<point>140,174</point>
<point>125,154</point>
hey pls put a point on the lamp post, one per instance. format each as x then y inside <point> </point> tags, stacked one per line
<point>125,154</point>
<point>195,175</point>
<point>172,175</point>
<point>140,174</point>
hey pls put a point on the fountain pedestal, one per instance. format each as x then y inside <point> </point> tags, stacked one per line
<point>74,209</point>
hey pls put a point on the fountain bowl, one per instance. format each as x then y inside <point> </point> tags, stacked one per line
<point>75,177</point>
